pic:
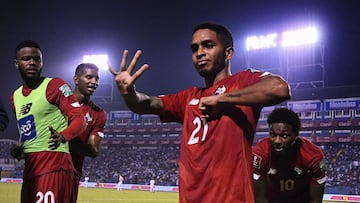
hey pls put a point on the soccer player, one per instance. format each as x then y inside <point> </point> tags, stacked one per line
<point>120,183</point>
<point>152,185</point>
<point>48,116</point>
<point>219,120</point>
<point>288,168</point>
<point>86,80</point>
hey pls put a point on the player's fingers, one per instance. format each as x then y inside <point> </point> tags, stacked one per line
<point>111,69</point>
<point>141,71</point>
<point>134,61</point>
<point>123,60</point>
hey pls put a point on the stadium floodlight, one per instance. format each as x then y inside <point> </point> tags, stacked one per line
<point>100,60</point>
<point>308,35</point>
<point>261,42</point>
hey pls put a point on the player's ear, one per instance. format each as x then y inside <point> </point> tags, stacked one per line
<point>229,52</point>
<point>76,80</point>
<point>16,63</point>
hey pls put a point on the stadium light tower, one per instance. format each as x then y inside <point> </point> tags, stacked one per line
<point>100,60</point>
<point>303,36</point>
<point>297,55</point>
<point>106,85</point>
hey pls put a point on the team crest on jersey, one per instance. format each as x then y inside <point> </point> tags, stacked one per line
<point>298,170</point>
<point>66,90</point>
<point>220,90</point>
<point>256,161</point>
<point>88,118</point>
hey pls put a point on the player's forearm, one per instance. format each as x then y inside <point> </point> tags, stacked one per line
<point>141,103</point>
<point>76,127</point>
<point>269,91</point>
<point>82,149</point>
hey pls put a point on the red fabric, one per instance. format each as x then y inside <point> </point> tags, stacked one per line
<point>96,119</point>
<point>293,176</point>
<point>215,165</point>
<point>52,176</point>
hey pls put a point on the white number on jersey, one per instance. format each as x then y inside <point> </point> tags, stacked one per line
<point>194,138</point>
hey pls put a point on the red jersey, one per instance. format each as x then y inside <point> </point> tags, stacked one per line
<point>215,157</point>
<point>289,179</point>
<point>95,118</point>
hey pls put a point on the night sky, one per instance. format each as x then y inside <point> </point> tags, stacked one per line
<point>67,30</point>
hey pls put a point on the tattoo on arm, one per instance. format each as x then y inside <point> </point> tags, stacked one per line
<point>233,95</point>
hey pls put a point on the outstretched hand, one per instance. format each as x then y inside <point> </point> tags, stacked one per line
<point>55,139</point>
<point>125,78</point>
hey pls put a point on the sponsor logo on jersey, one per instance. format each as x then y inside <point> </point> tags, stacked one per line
<point>194,101</point>
<point>272,171</point>
<point>25,109</point>
<point>27,128</point>
<point>75,104</point>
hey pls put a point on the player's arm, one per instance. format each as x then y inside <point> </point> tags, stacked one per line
<point>317,171</point>
<point>90,149</point>
<point>316,193</point>
<point>269,90</point>
<point>259,191</point>
<point>59,94</point>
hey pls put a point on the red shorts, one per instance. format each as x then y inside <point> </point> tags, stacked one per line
<point>51,187</point>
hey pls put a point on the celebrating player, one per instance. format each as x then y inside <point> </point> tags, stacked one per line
<point>219,120</point>
<point>288,168</point>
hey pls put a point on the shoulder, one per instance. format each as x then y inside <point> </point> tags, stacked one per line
<point>309,150</point>
<point>262,145</point>
<point>261,153</point>
<point>59,84</point>
<point>95,107</point>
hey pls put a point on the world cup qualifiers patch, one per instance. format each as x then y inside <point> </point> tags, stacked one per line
<point>66,90</point>
<point>256,161</point>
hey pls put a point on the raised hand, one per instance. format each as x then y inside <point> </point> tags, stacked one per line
<point>55,139</point>
<point>125,78</point>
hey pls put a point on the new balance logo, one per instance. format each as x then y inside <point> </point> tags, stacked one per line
<point>25,109</point>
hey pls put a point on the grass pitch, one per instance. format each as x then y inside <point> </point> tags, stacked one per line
<point>10,192</point>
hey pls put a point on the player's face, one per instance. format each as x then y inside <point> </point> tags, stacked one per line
<point>208,54</point>
<point>29,63</point>
<point>282,137</point>
<point>87,81</point>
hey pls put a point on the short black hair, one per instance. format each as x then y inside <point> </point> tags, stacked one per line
<point>285,115</point>
<point>26,43</point>
<point>82,66</point>
<point>223,33</point>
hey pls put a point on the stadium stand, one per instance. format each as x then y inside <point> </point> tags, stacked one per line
<point>140,147</point>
